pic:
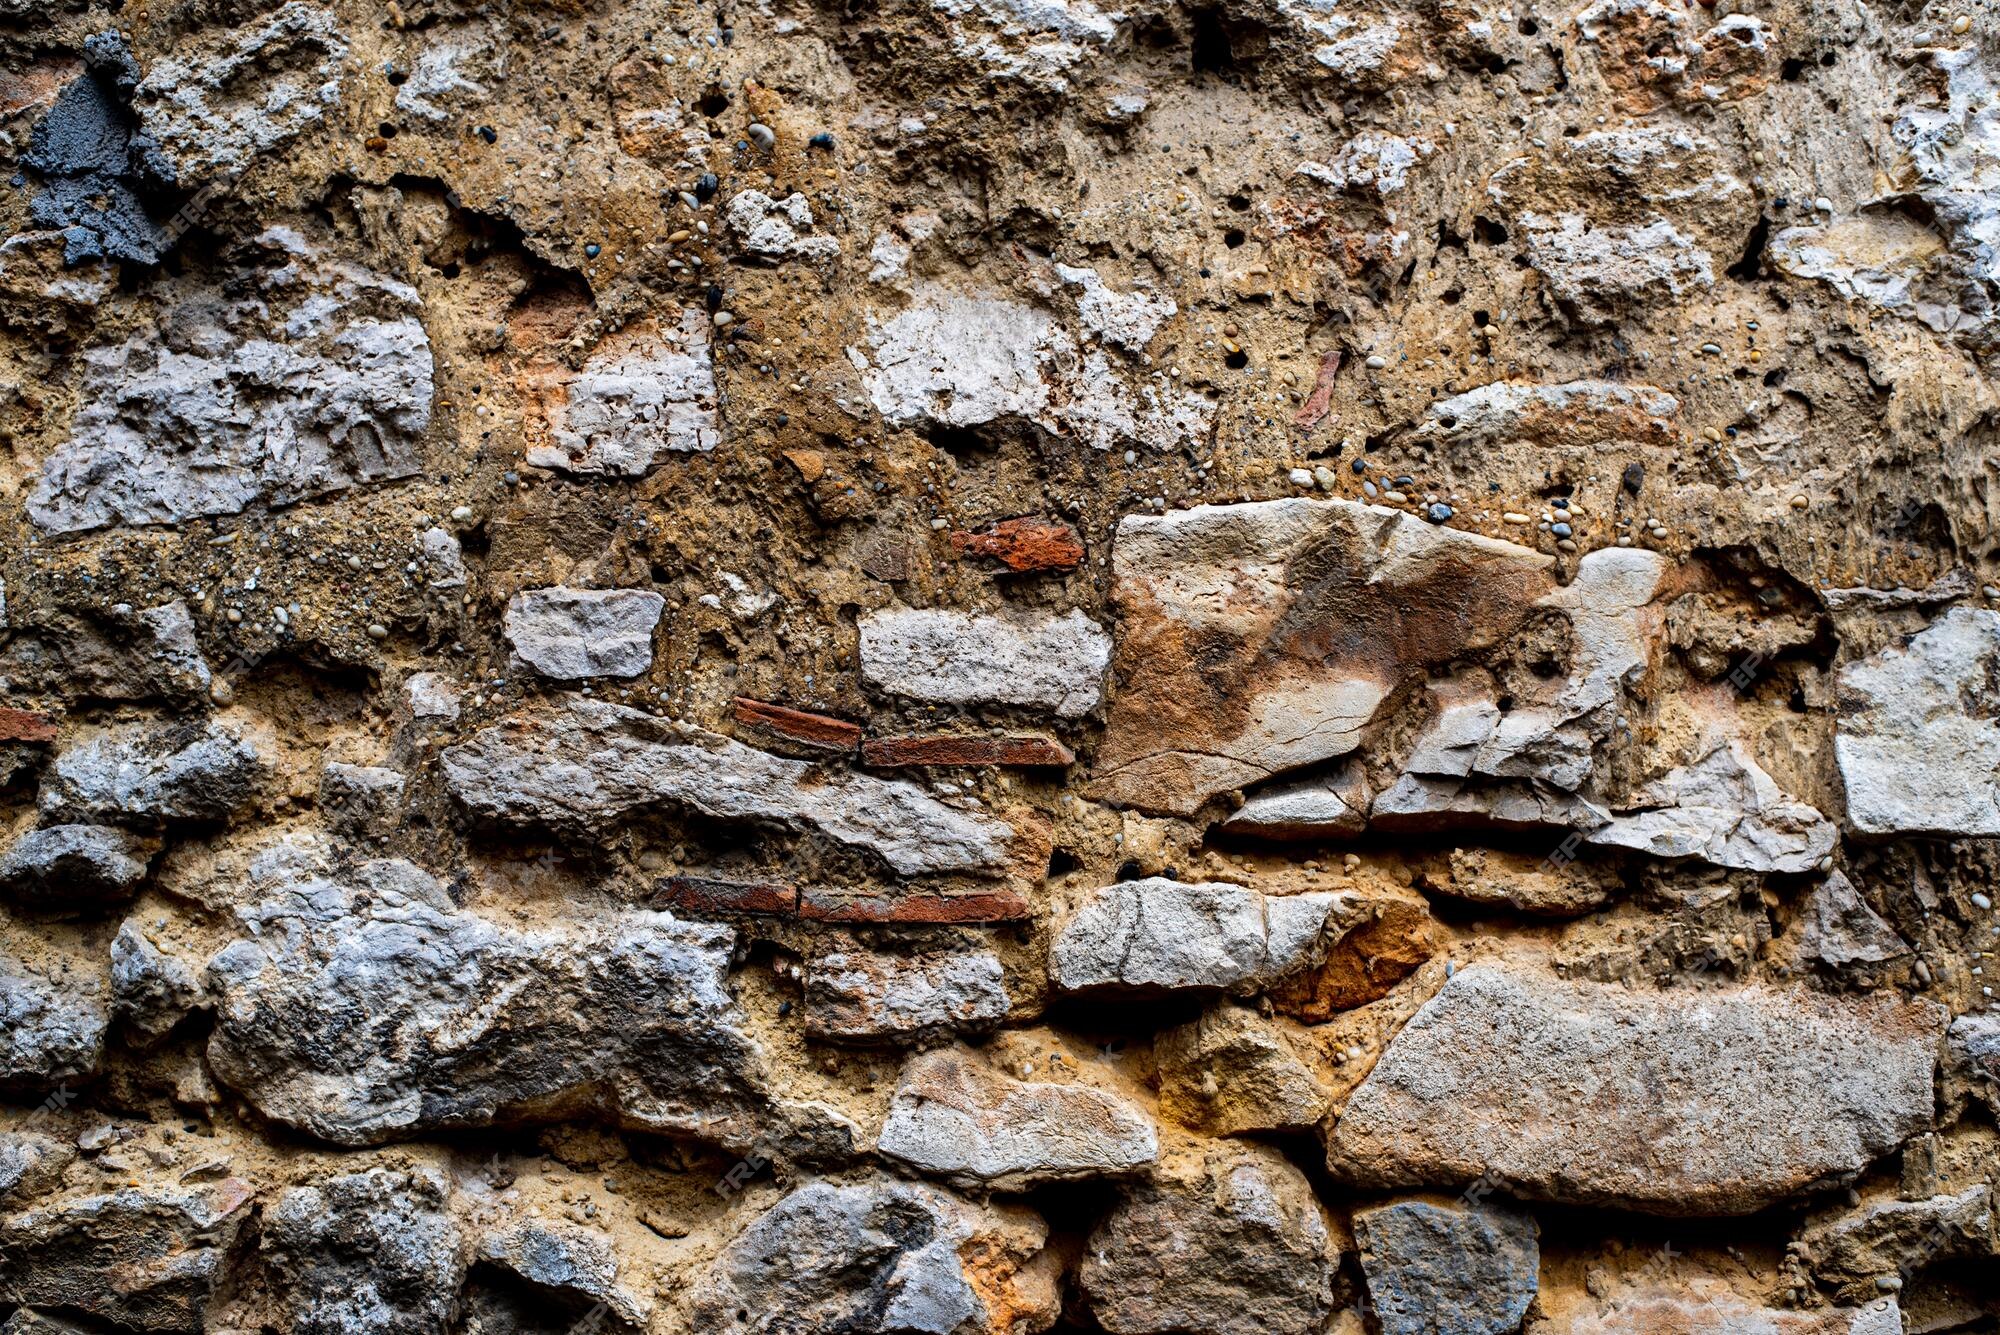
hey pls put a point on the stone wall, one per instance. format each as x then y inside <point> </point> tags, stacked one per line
<point>1255,668</point>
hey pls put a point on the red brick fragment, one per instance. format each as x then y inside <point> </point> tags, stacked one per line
<point>831,734</point>
<point>26,725</point>
<point>990,906</point>
<point>946,749</point>
<point>1024,544</point>
<point>706,894</point>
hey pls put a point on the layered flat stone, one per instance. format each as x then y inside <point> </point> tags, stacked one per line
<point>1158,935</point>
<point>146,774</point>
<point>856,995</point>
<point>1918,737</point>
<point>366,1009</point>
<point>63,866</point>
<point>1660,1309</point>
<point>583,766</point>
<point>1260,638</point>
<point>1712,1102</point>
<point>956,1117</point>
<point>1045,662</point>
<point>571,634</point>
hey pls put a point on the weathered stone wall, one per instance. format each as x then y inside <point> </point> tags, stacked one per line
<point>978,666</point>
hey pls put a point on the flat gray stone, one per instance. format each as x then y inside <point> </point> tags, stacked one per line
<point>1047,662</point>
<point>1449,1269</point>
<point>581,767</point>
<point>148,774</point>
<point>882,1255</point>
<point>365,1009</point>
<point>571,634</point>
<point>1918,733</point>
<point>956,1117</point>
<point>1157,935</point>
<point>72,866</point>
<point>856,995</point>
<point>1672,1102</point>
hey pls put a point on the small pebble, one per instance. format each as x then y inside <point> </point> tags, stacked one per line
<point>1394,497</point>
<point>705,188</point>
<point>1300,477</point>
<point>1377,362</point>
<point>1560,530</point>
<point>1981,901</point>
<point>1440,512</point>
<point>1516,517</point>
<point>763,136</point>
<point>378,631</point>
<point>1961,25</point>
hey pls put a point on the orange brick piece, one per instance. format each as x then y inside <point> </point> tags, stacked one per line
<point>946,749</point>
<point>26,725</point>
<point>832,734</point>
<point>1024,544</point>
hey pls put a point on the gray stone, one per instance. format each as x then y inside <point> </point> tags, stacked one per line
<point>1724,809</point>
<point>368,1009</point>
<point>856,995</point>
<point>143,774</point>
<point>377,1252</point>
<point>1448,1269</point>
<point>117,654</point>
<point>582,767</point>
<point>144,1258</point>
<point>570,634</point>
<point>636,401</point>
<point>956,1117</point>
<point>97,165</point>
<point>218,104</point>
<point>1045,662</point>
<point>1232,1245</point>
<point>883,1255</point>
<point>1675,1102</point>
<point>151,990</point>
<point>361,799</point>
<point>1837,930</point>
<point>31,1163</point>
<point>1918,734</point>
<point>568,1259</point>
<point>71,866</point>
<point>775,229</point>
<point>1157,935</point>
<point>1330,806</point>
<point>959,361</point>
<point>321,383</point>
<point>53,1014</point>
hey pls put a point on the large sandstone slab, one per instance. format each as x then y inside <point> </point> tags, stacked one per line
<point>366,1009</point>
<point>1660,1309</point>
<point>1918,740</point>
<point>1255,639</point>
<point>581,767</point>
<point>1681,1102</point>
